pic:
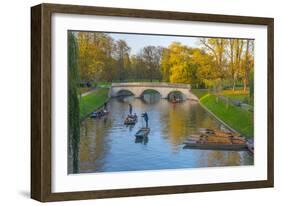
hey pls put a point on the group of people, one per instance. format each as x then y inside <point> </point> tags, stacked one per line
<point>130,117</point>
<point>175,99</point>
<point>144,115</point>
<point>99,113</point>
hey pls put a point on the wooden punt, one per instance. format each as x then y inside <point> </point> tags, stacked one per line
<point>212,146</point>
<point>223,134</point>
<point>206,131</point>
<point>99,114</point>
<point>250,145</point>
<point>131,120</point>
<point>143,132</point>
<point>217,140</point>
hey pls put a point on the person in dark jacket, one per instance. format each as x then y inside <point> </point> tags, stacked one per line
<point>105,106</point>
<point>145,117</point>
<point>130,109</point>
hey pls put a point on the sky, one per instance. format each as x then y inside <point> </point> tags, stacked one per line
<point>137,41</point>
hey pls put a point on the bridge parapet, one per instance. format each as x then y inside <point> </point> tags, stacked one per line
<point>151,84</point>
<point>164,89</point>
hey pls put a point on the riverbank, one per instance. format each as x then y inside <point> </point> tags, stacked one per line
<point>237,118</point>
<point>93,101</point>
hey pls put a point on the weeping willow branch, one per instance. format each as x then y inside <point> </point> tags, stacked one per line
<point>73,102</point>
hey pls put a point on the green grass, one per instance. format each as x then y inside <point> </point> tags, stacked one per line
<point>200,92</point>
<point>84,89</point>
<point>93,101</point>
<point>239,95</point>
<point>235,117</point>
<point>104,84</point>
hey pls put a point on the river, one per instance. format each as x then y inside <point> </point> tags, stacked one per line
<point>107,145</point>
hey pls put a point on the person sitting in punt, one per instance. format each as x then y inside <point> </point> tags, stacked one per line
<point>135,116</point>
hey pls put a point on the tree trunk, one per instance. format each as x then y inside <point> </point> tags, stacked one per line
<point>233,85</point>
<point>245,84</point>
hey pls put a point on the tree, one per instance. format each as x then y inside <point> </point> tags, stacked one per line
<point>138,67</point>
<point>122,51</point>
<point>248,63</point>
<point>216,61</point>
<point>95,56</point>
<point>251,85</point>
<point>179,59</point>
<point>165,65</point>
<point>151,56</point>
<point>178,64</point>
<point>235,51</point>
<point>73,103</point>
<point>206,75</point>
<point>216,47</point>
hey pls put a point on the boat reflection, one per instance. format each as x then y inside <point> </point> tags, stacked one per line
<point>141,140</point>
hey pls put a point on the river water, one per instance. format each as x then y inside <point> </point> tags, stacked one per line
<point>107,145</point>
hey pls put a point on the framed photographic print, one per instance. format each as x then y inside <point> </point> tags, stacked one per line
<point>130,102</point>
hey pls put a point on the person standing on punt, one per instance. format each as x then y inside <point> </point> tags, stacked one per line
<point>130,109</point>
<point>105,106</point>
<point>145,117</point>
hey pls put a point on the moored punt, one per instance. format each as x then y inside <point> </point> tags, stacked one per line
<point>212,146</point>
<point>216,140</point>
<point>250,146</point>
<point>206,131</point>
<point>143,132</point>
<point>194,137</point>
<point>98,114</point>
<point>222,134</point>
<point>218,133</point>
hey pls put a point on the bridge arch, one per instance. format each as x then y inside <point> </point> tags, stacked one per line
<point>177,94</point>
<point>149,90</point>
<point>124,92</point>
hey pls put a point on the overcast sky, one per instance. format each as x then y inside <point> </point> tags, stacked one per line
<point>137,41</point>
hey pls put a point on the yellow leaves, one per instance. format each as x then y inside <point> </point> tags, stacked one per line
<point>180,63</point>
<point>94,50</point>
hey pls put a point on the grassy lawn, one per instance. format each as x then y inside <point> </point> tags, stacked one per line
<point>92,101</point>
<point>235,117</point>
<point>239,95</point>
<point>84,89</point>
<point>104,84</point>
<point>200,92</point>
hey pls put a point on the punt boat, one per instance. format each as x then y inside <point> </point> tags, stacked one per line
<point>143,132</point>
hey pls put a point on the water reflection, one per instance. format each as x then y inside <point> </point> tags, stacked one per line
<point>106,144</point>
<point>150,98</point>
<point>142,140</point>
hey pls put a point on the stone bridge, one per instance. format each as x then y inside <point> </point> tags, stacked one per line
<point>164,89</point>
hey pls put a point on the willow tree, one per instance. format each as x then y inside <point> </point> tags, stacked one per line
<point>73,102</point>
